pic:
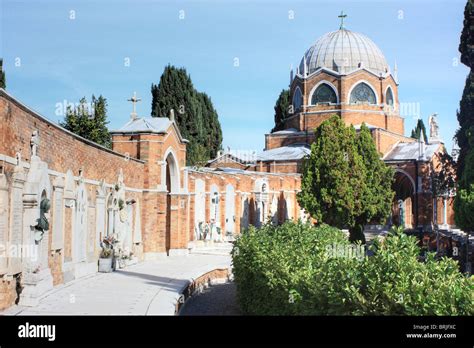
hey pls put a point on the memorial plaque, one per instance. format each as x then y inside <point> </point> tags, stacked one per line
<point>100,221</point>
<point>3,225</point>
<point>91,228</point>
<point>16,229</point>
<point>58,220</point>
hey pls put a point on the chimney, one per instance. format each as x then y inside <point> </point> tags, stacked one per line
<point>172,115</point>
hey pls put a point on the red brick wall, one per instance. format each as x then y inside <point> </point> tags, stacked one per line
<point>60,149</point>
<point>311,116</point>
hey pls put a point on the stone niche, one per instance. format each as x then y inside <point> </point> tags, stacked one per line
<point>37,278</point>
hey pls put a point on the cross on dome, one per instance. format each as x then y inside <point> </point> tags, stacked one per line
<point>342,16</point>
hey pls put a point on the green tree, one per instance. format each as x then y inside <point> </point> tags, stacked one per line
<point>464,202</point>
<point>419,128</point>
<point>89,120</point>
<point>195,114</point>
<point>377,199</point>
<point>2,75</point>
<point>281,108</point>
<point>345,183</point>
<point>333,183</point>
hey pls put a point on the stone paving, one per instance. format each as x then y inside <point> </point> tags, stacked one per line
<point>219,299</point>
<point>148,288</point>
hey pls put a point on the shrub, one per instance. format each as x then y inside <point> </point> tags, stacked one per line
<point>289,270</point>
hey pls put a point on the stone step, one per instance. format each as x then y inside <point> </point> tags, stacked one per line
<point>211,245</point>
<point>210,252</point>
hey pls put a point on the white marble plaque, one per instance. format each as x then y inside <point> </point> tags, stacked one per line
<point>16,229</point>
<point>3,224</point>
<point>100,220</point>
<point>58,220</point>
<point>91,229</point>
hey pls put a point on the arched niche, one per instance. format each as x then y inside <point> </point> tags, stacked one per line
<point>170,173</point>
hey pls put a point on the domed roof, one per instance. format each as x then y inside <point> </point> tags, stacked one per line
<point>344,51</point>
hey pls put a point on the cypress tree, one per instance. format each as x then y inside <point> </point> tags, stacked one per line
<point>281,109</point>
<point>419,128</point>
<point>195,114</point>
<point>2,75</point>
<point>464,202</point>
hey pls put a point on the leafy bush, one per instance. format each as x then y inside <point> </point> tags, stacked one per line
<point>289,270</point>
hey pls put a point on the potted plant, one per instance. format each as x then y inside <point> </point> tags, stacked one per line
<point>107,255</point>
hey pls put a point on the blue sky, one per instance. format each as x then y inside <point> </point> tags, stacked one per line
<point>49,57</point>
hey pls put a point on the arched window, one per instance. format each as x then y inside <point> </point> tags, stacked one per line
<point>362,93</point>
<point>389,97</point>
<point>297,99</point>
<point>323,94</point>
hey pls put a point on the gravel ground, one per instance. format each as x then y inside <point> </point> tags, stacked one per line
<point>219,299</point>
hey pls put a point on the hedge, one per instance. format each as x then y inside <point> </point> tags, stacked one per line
<point>292,269</point>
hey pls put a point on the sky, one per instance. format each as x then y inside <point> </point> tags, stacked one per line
<point>238,52</point>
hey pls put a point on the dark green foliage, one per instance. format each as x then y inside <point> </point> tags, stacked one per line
<point>419,128</point>
<point>333,175</point>
<point>464,201</point>
<point>377,199</point>
<point>89,124</point>
<point>298,269</point>
<point>345,183</point>
<point>281,109</point>
<point>444,175</point>
<point>195,115</point>
<point>465,117</point>
<point>2,75</point>
<point>466,45</point>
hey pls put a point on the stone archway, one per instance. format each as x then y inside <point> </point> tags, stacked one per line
<point>230,210</point>
<point>245,217</point>
<point>171,187</point>
<point>199,208</point>
<point>214,211</point>
<point>80,224</point>
<point>261,202</point>
<point>403,205</point>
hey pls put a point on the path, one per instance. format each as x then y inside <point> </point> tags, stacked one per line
<point>148,288</point>
<point>218,299</point>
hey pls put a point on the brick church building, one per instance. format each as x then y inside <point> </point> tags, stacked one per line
<point>141,191</point>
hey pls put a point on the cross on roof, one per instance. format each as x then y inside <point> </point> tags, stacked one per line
<point>342,16</point>
<point>134,101</point>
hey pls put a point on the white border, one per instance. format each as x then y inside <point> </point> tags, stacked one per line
<point>358,83</point>
<point>313,90</point>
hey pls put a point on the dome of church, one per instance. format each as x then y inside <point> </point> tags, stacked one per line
<point>344,51</point>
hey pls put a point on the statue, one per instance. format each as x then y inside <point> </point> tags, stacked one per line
<point>434,128</point>
<point>42,223</point>
<point>34,143</point>
<point>401,206</point>
<point>18,158</point>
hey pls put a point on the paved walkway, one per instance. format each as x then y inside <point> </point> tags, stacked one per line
<point>218,299</point>
<point>148,288</point>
